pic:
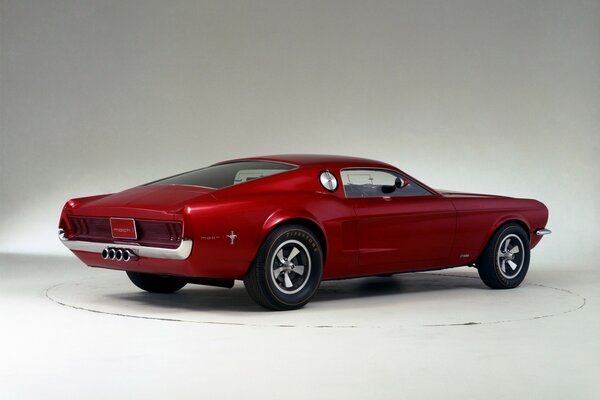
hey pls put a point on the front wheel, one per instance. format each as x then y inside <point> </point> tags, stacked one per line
<point>156,283</point>
<point>505,259</point>
<point>287,270</point>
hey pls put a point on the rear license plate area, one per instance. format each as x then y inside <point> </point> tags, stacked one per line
<point>123,228</point>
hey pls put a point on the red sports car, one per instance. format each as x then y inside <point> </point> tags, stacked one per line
<point>283,223</point>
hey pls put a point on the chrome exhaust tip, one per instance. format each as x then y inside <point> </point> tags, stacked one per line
<point>131,256</point>
<point>118,254</point>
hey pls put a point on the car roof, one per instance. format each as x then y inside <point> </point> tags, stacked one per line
<point>325,160</point>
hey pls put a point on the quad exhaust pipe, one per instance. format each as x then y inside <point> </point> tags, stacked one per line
<point>119,254</point>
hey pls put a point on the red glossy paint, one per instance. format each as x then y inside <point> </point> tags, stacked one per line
<point>361,236</point>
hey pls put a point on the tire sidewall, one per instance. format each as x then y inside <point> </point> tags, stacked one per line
<point>502,233</point>
<point>311,243</point>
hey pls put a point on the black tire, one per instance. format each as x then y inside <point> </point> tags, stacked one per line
<point>505,259</point>
<point>268,279</point>
<point>156,283</point>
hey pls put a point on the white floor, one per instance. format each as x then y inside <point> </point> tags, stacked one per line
<point>72,331</point>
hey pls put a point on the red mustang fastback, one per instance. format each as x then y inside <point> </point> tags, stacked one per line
<point>283,223</point>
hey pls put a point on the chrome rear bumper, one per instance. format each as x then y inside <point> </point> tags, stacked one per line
<point>542,232</point>
<point>180,253</point>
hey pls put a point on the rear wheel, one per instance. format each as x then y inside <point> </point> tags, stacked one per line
<point>156,283</point>
<point>287,270</point>
<point>505,259</point>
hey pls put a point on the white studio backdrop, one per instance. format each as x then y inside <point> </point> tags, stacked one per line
<point>482,96</point>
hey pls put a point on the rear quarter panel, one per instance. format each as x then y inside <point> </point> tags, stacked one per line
<point>252,211</point>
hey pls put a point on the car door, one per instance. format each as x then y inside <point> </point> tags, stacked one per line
<point>401,225</point>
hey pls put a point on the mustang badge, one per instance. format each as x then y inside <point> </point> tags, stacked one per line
<point>231,237</point>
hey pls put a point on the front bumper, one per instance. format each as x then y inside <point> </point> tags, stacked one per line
<point>180,253</point>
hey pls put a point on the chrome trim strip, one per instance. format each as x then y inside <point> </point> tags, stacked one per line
<point>542,232</point>
<point>181,253</point>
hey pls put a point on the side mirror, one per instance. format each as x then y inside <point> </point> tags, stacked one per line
<point>400,183</point>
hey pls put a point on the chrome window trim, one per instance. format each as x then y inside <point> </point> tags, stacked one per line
<point>180,253</point>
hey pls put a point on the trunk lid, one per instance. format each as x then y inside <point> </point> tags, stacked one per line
<point>163,199</point>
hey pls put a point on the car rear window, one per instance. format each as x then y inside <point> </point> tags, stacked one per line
<point>228,174</point>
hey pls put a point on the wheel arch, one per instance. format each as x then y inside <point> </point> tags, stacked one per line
<point>500,223</point>
<point>295,217</point>
<point>510,220</point>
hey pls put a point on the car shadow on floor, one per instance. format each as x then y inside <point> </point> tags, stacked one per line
<point>206,298</point>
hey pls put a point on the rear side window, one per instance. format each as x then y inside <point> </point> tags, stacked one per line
<point>223,175</point>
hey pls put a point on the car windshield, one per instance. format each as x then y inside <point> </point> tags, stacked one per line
<point>228,174</point>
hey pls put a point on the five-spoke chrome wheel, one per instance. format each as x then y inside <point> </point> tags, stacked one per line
<point>509,257</point>
<point>287,270</point>
<point>504,261</point>
<point>290,267</point>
